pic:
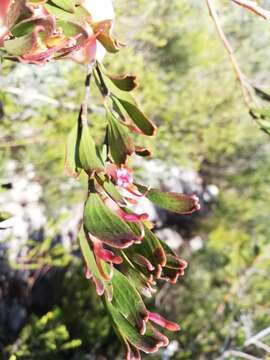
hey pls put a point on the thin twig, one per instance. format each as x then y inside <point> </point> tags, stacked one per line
<point>248,97</point>
<point>262,334</point>
<point>262,345</point>
<point>238,354</point>
<point>253,7</point>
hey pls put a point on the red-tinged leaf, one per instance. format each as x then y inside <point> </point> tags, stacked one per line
<point>104,224</point>
<point>171,201</point>
<point>150,248</point>
<point>111,190</point>
<point>93,271</point>
<point>173,261</point>
<point>161,321</point>
<point>131,352</point>
<point>17,10</point>
<point>120,143</point>
<point>142,283</point>
<point>142,151</point>
<point>124,82</point>
<point>170,275</point>
<point>104,36</point>
<point>150,342</point>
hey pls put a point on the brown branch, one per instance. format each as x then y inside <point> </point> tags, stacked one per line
<point>247,94</point>
<point>253,7</point>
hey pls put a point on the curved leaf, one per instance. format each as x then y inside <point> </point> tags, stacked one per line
<point>104,224</point>
<point>89,157</point>
<point>120,143</point>
<point>171,201</point>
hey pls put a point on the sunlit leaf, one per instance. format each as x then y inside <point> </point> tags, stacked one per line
<point>104,224</point>
<point>171,201</point>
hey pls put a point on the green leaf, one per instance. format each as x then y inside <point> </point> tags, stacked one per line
<point>23,28</point>
<point>104,224</point>
<point>126,106</point>
<point>111,190</point>
<point>150,247</point>
<point>149,342</point>
<point>171,201</point>
<point>129,109</point>
<point>88,154</point>
<point>120,143</point>
<point>19,46</point>
<point>73,165</point>
<point>128,301</point>
<point>79,16</point>
<point>67,5</point>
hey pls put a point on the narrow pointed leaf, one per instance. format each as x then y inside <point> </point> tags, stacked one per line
<point>149,343</point>
<point>104,224</point>
<point>138,117</point>
<point>73,165</point>
<point>120,143</point>
<point>111,190</point>
<point>89,157</point>
<point>126,106</point>
<point>128,301</point>
<point>171,201</point>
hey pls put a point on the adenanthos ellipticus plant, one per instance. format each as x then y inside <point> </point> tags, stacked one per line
<point>123,257</point>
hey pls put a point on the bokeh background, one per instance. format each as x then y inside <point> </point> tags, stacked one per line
<point>206,144</point>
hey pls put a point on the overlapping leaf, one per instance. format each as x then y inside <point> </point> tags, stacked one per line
<point>104,224</point>
<point>120,143</point>
<point>126,106</point>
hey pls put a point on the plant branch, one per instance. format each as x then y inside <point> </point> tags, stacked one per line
<point>253,7</point>
<point>238,354</point>
<point>85,104</point>
<point>262,334</point>
<point>247,95</point>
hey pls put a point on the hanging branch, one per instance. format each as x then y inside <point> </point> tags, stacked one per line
<point>245,87</point>
<point>253,7</point>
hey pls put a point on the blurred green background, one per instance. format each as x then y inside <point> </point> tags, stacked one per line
<point>188,88</point>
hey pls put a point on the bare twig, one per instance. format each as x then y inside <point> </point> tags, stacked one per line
<point>238,354</point>
<point>253,7</point>
<point>262,334</point>
<point>262,345</point>
<point>247,94</point>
